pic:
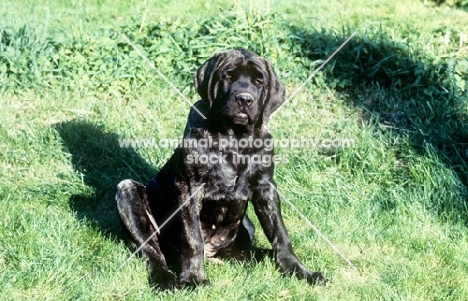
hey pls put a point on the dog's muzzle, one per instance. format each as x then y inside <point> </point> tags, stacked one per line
<point>244,99</point>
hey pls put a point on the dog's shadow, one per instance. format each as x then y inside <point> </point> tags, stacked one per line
<point>102,163</point>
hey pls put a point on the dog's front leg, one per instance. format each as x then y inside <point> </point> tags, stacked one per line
<point>267,207</point>
<point>192,243</point>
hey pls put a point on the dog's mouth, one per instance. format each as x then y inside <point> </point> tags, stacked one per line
<point>240,118</point>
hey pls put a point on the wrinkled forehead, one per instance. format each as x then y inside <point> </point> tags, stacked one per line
<point>238,62</point>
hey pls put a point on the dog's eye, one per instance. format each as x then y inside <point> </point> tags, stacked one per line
<point>227,78</point>
<point>259,81</point>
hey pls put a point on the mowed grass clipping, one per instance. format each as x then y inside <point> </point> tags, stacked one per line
<point>394,203</point>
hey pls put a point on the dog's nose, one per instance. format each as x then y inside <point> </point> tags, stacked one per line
<point>244,99</point>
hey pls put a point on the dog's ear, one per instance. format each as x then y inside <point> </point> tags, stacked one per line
<point>274,94</point>
<point>206,77</point>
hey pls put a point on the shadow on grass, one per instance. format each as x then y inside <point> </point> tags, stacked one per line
<point>97,155</point>
<point>457,4</point>
<point>405,92</point>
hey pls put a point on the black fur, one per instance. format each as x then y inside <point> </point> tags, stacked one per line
<point>239,90</point>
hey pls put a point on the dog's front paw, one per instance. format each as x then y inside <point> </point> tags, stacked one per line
<point>316,278</point>
<point>313,278</point>
<point>193,279</point>
<point>163,280</point>
<point>290,265</point>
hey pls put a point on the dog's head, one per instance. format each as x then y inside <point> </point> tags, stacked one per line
<point>240,88</point>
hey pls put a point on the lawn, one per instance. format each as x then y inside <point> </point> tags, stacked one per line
<point>395,202</point>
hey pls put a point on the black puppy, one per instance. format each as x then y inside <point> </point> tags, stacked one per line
<point>221,164</point>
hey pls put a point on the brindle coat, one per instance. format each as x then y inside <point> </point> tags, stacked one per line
<point>239,90</point>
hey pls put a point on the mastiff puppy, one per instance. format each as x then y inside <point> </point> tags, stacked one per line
<point>197,202</point>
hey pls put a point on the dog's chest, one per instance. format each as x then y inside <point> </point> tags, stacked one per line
<point>226,181</point>
<point>225,168</point>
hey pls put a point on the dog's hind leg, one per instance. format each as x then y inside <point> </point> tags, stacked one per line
<point>134,210</point>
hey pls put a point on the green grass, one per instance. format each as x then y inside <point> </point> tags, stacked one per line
<point>395,204</point>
